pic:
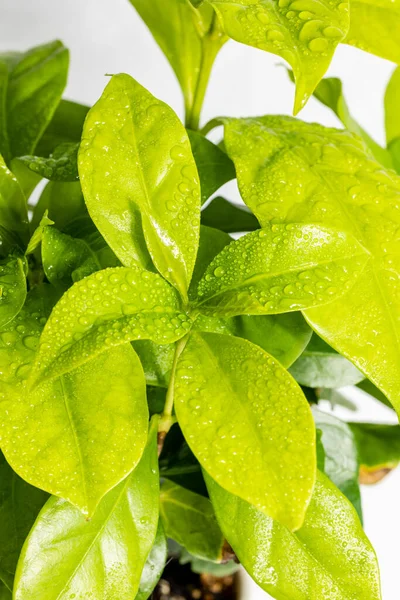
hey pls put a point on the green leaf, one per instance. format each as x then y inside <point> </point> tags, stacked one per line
<point>27,179</point>
<point>374,28</point>
<point>215,168</point>
<point>154,565</point>
<point>65,126</point>
<point>66,555</point>
<point>304,34</point>
<point>212,242</point>
<point>156,361</point>
<point>248,423</point>
<point>330,557</point>
<point>135,155</point>
<point>228,217</point>
<point>378,445</point>
<point>64,202</point>
<point>188,39</point>
<point>341,458</point>
<point>106,309</point>
<point>60,166</point>
<point>392,111</point>
<point>330,92</point>
<point>37,236</point>
<point>14,226</point>
<point>189,519</point>
<point>369,388</point>
<point>55,436</point>
<point>342,187</point>
<point>31,85</point>
<point>280,269</point>
<point>12,289</point>
<point>67,259</point>
<point>321,366</point>
<point>20,504</point>
<point>5,592</point>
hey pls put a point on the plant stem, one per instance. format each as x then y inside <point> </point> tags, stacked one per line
<point>167,420</point>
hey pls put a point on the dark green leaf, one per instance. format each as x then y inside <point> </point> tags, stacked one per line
<point>64,203</point>
<point>65,126</point>
<point>154,565</point>
<point>60,166</point>
<point>12,289</point>
<point>378,445</point>
<point>14,226</point>
<point>369,388</point>
<point>156,361</point>
<point>212,242</point>
<point>228,217</point>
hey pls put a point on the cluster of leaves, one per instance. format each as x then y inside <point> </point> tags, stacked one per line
<point>133,324</point>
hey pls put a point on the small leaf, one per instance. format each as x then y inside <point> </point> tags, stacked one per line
<point>140,180</point>
<point>14,225</point>
<point>330,557</point>
<point>279,269</point>
<point>20,504</point>
<point>67,556</point>
<point>248,423</point>
<point>60,166</point>
<point>189,519</point>
<point>124,304</point>
<point>215,168</point>
<point>321,366</point>
<point>305,35</point>
<point>55,436</point>
<point>341,459</point>
<point>37,236</point>
<point>27,112</point>
<point>12,289</point>
<point>154,565</point>
<point>65,126</point>
<point>228,217</point>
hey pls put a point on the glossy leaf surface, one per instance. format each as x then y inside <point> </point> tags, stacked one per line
<point>12,289</point>
<point>154,565</point>
<point>280,268</point>
<point>35,81</point>
<point>77,435</point>
<point>109,308</point>
<point>212,242</point>
<point>14,227</point>
<point>330,557</point>
<point>189,519</point>
<point>20,504</point>
<point>156,361</point>
<point>342,187</point>
<point>37,235</point>
<point>215,168</point>
<point>304,34</point>
<point>65,126</point>
<point>248,423</point>
<point>341,458</point>
<point>321,366</point>
<point>65,555</point>
<point>228,217</point>
<point>60,166</point>
<point>140,180</point>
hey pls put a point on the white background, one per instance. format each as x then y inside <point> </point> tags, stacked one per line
<point>107,36</point>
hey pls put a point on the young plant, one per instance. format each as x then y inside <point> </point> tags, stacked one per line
<point>140,343</point>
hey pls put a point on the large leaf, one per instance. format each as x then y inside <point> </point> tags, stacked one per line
<point>56,436</point>
<point>189,519</point>
<point>20,504</point>
<point>248,423</point>
<point>190,39</point>
<point>279,269</point>
<point>32,84</point>
<point>392,110</point>
<point>67,556</point>
<point>215,168</point>
<point>12,289</point>
<point>154,565</point>
<point>14,226</point>
<point>374,27</point>
<point>305,34</point>
<point>321,366</point>
<point>341,457</point>
<point>300,172</point>
<point>228,217</point>
<point>140,180</point>
<point>330,557</point>
<point>109,308</point>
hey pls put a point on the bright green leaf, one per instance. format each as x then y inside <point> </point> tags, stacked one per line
<point>34,82</point>
<point>392,107</point>
<point>60,166</point>
<point>329,558</point>
<point>106,309</point>
<point>279,269</point>
<point>305,34</point>
<point>248,423</point>
<point>12,289</point>
<point>68,556</point>
<point>156,361</point>
<point>37,236</point>
<point>55,436</point>
<point>215,168</point>
<point>341,459</point>
<point>321,366</point>
<point>154,565</point>
<point>140,180</point>
<point>378,445</point>
<point>228,217</point>
<point>64,202</point>
<point>189,519</point>
<point>212,242</point>
<point>374,27</point>
<point>20,504</point>
<point>300,172</point>
<point>14,226</point>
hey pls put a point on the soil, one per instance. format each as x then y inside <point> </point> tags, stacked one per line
<point>178,582</point>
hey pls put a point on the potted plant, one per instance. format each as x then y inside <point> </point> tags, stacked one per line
<point>163,350</point>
